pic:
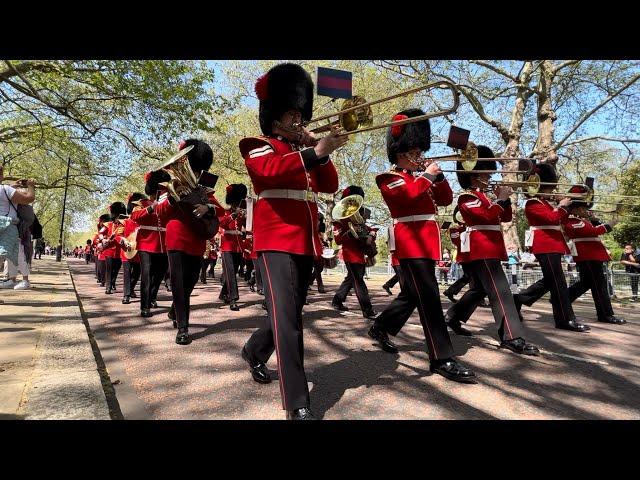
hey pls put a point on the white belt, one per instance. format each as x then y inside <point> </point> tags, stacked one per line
<point>153,229</point>
<point>587,239</point>
<point>546,227</point>
<point>495,228</point>
<point>232,232</point>
<point>303,195</point>
<point>415,218</point>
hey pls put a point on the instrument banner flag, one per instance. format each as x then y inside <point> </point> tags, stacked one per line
<point>334,83</point>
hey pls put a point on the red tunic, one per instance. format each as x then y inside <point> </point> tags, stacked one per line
<point>113,248</point>
<point>454,234</point>
<point>231,233</point>
<point>247,248</point>
<point>129,228</point>
<point>589,250</point>
<point>540,212</point>
<point>352,248</point>
<point>477,210</point>
<point>406,195</point>
<point>394,259</point>
<point>152,241</point>
<point>284,224</point>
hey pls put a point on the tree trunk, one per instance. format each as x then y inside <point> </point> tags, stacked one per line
<point>544,148</point>
<point>512,148</point>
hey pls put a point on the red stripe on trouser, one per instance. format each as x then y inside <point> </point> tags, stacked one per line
<point>426,324</point>
<point>275,334</point>
<point>564,315</point>
<point>504,312</point>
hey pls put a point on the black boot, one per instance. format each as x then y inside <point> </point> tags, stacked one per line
<point>518,345</point>
<point>258,369</point>
<point>145,312</point>
<point>183,337</point>
<point>455,325</point>
<point>154,304</point>
<point>234,306</point>
<point>126,300</point>
<point>574,326</point>
<point>370,314</point>
<point>338,305</point>
<point>613,319</point>
<point>108,291</point>
<point>453,370</point>
<point>300,414</point>
<point>382,338</point>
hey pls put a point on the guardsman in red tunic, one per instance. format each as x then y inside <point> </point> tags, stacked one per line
<point>453,317</point>
<point>484,242</point>
<point>395,264</point>
<point>353,254</point>
<point>151,244</point>
<point>318,262</point>
<point>288,167</point>
<point>101,263</point>
<point>232,225</point>
<point>130,267</point>
<point>112,248</point>
<point>547,243</point>
<point>185,244</point>
<point>461,257</point>
<point>87,252</point>
<point>589,253</point>
<point>412,194</point>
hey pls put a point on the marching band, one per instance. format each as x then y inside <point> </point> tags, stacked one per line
<point>179,227</point>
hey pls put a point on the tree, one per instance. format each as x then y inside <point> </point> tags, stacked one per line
<point>568,95</point>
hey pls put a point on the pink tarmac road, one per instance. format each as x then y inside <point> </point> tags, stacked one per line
<point>579,376</point>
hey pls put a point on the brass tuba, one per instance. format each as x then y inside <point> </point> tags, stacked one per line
<point>348,210</point>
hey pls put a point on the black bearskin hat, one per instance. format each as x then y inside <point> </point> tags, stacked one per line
<point>105,217</point>
<point>134,197</point>
<point>402,138</point>
<point>235,193</point>
<point>576,202</point>
<point>200,157</point>
<point>546,172</point>
<point>152,179</point>
<point>117,208</point>
<point>464,178</point>
<point>352,190</point>
<point>89,242</point>
<point>285,87</point>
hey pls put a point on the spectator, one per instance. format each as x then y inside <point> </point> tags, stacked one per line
<point>630,258</point>
<point>444,266</point>
<point>528,259</point>
<point>513,260</point>
<point>11,244</point>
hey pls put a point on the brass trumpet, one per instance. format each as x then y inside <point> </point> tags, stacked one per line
<point>357,113</point>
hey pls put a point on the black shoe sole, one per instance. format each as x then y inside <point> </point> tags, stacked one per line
<point>531,354</point>
<point>455,378</point>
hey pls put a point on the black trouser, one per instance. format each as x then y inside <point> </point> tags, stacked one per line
<point>286,281</point>
<point>101,269</point>
<point>488,278</point>
<point>552,281</point>
<point>634,283</point>
<point>131,271</point>
<point>184,270</point>
<point>153,267</point>
<point>211,272</point>
<point>258,275</point>
<point>230,264</point>
<point>87,257</point>
<point>355,278</point>
<point>393,280</point>
<point>459,284</point>
<point>419,288</point>
<point>113,268</point>
<point>592,277</point>
<point>248,270</point>
<point>316,274</point>
<point>203,270</point>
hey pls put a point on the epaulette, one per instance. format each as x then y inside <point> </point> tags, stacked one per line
<point>249,144</point>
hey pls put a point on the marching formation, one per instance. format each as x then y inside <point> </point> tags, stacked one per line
<point>177,228</point>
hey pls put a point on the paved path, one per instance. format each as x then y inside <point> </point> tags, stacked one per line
<point>47,366</point>
<point>580,376</point>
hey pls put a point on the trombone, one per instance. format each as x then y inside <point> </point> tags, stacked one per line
<point>356,115</point>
